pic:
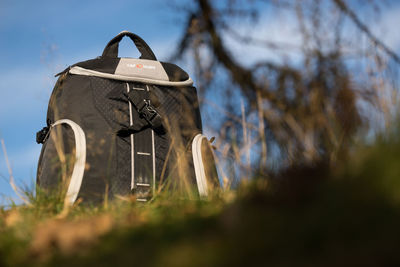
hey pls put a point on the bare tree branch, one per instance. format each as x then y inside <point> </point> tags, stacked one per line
<point>344,8</point>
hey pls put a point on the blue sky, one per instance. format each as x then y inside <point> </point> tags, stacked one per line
<point>41,38</point>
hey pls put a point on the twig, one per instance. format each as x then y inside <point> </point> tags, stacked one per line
<point>261,132</point>
<point>246,137</point>
<point>13,186</point>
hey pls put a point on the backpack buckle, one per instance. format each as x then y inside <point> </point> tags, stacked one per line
<point>42,135</point>
<point>150,114</point>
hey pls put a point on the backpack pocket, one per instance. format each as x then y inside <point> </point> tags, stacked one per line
<point>204,165</point>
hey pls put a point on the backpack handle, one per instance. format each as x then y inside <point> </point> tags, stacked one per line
<point>111,49</point>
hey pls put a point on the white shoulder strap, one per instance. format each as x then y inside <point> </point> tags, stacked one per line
<point>79,167</point>
<point>199,166</point>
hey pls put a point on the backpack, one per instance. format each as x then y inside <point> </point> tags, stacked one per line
<point>123,126</point>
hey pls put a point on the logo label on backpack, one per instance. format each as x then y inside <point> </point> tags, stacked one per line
<point>141,66</point>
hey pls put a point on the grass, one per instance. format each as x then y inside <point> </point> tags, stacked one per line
<point>41,232</point>
<point>319,215</point>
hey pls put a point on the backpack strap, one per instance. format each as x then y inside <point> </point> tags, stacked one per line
<point>142,144</point>
<point>80,161</point>
<point>144,159</point>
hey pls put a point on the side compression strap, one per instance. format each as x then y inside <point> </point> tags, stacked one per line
<point>80,160</point>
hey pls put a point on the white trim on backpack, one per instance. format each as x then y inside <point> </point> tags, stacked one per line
<point>80,160</point>
<point>86,72</point>
<point>132,142</point>
<point>153,152</point>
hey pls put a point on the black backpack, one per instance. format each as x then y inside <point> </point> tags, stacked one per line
<point>122,126</point>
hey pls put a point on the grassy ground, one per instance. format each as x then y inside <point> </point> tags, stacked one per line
<point>342,215</point>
